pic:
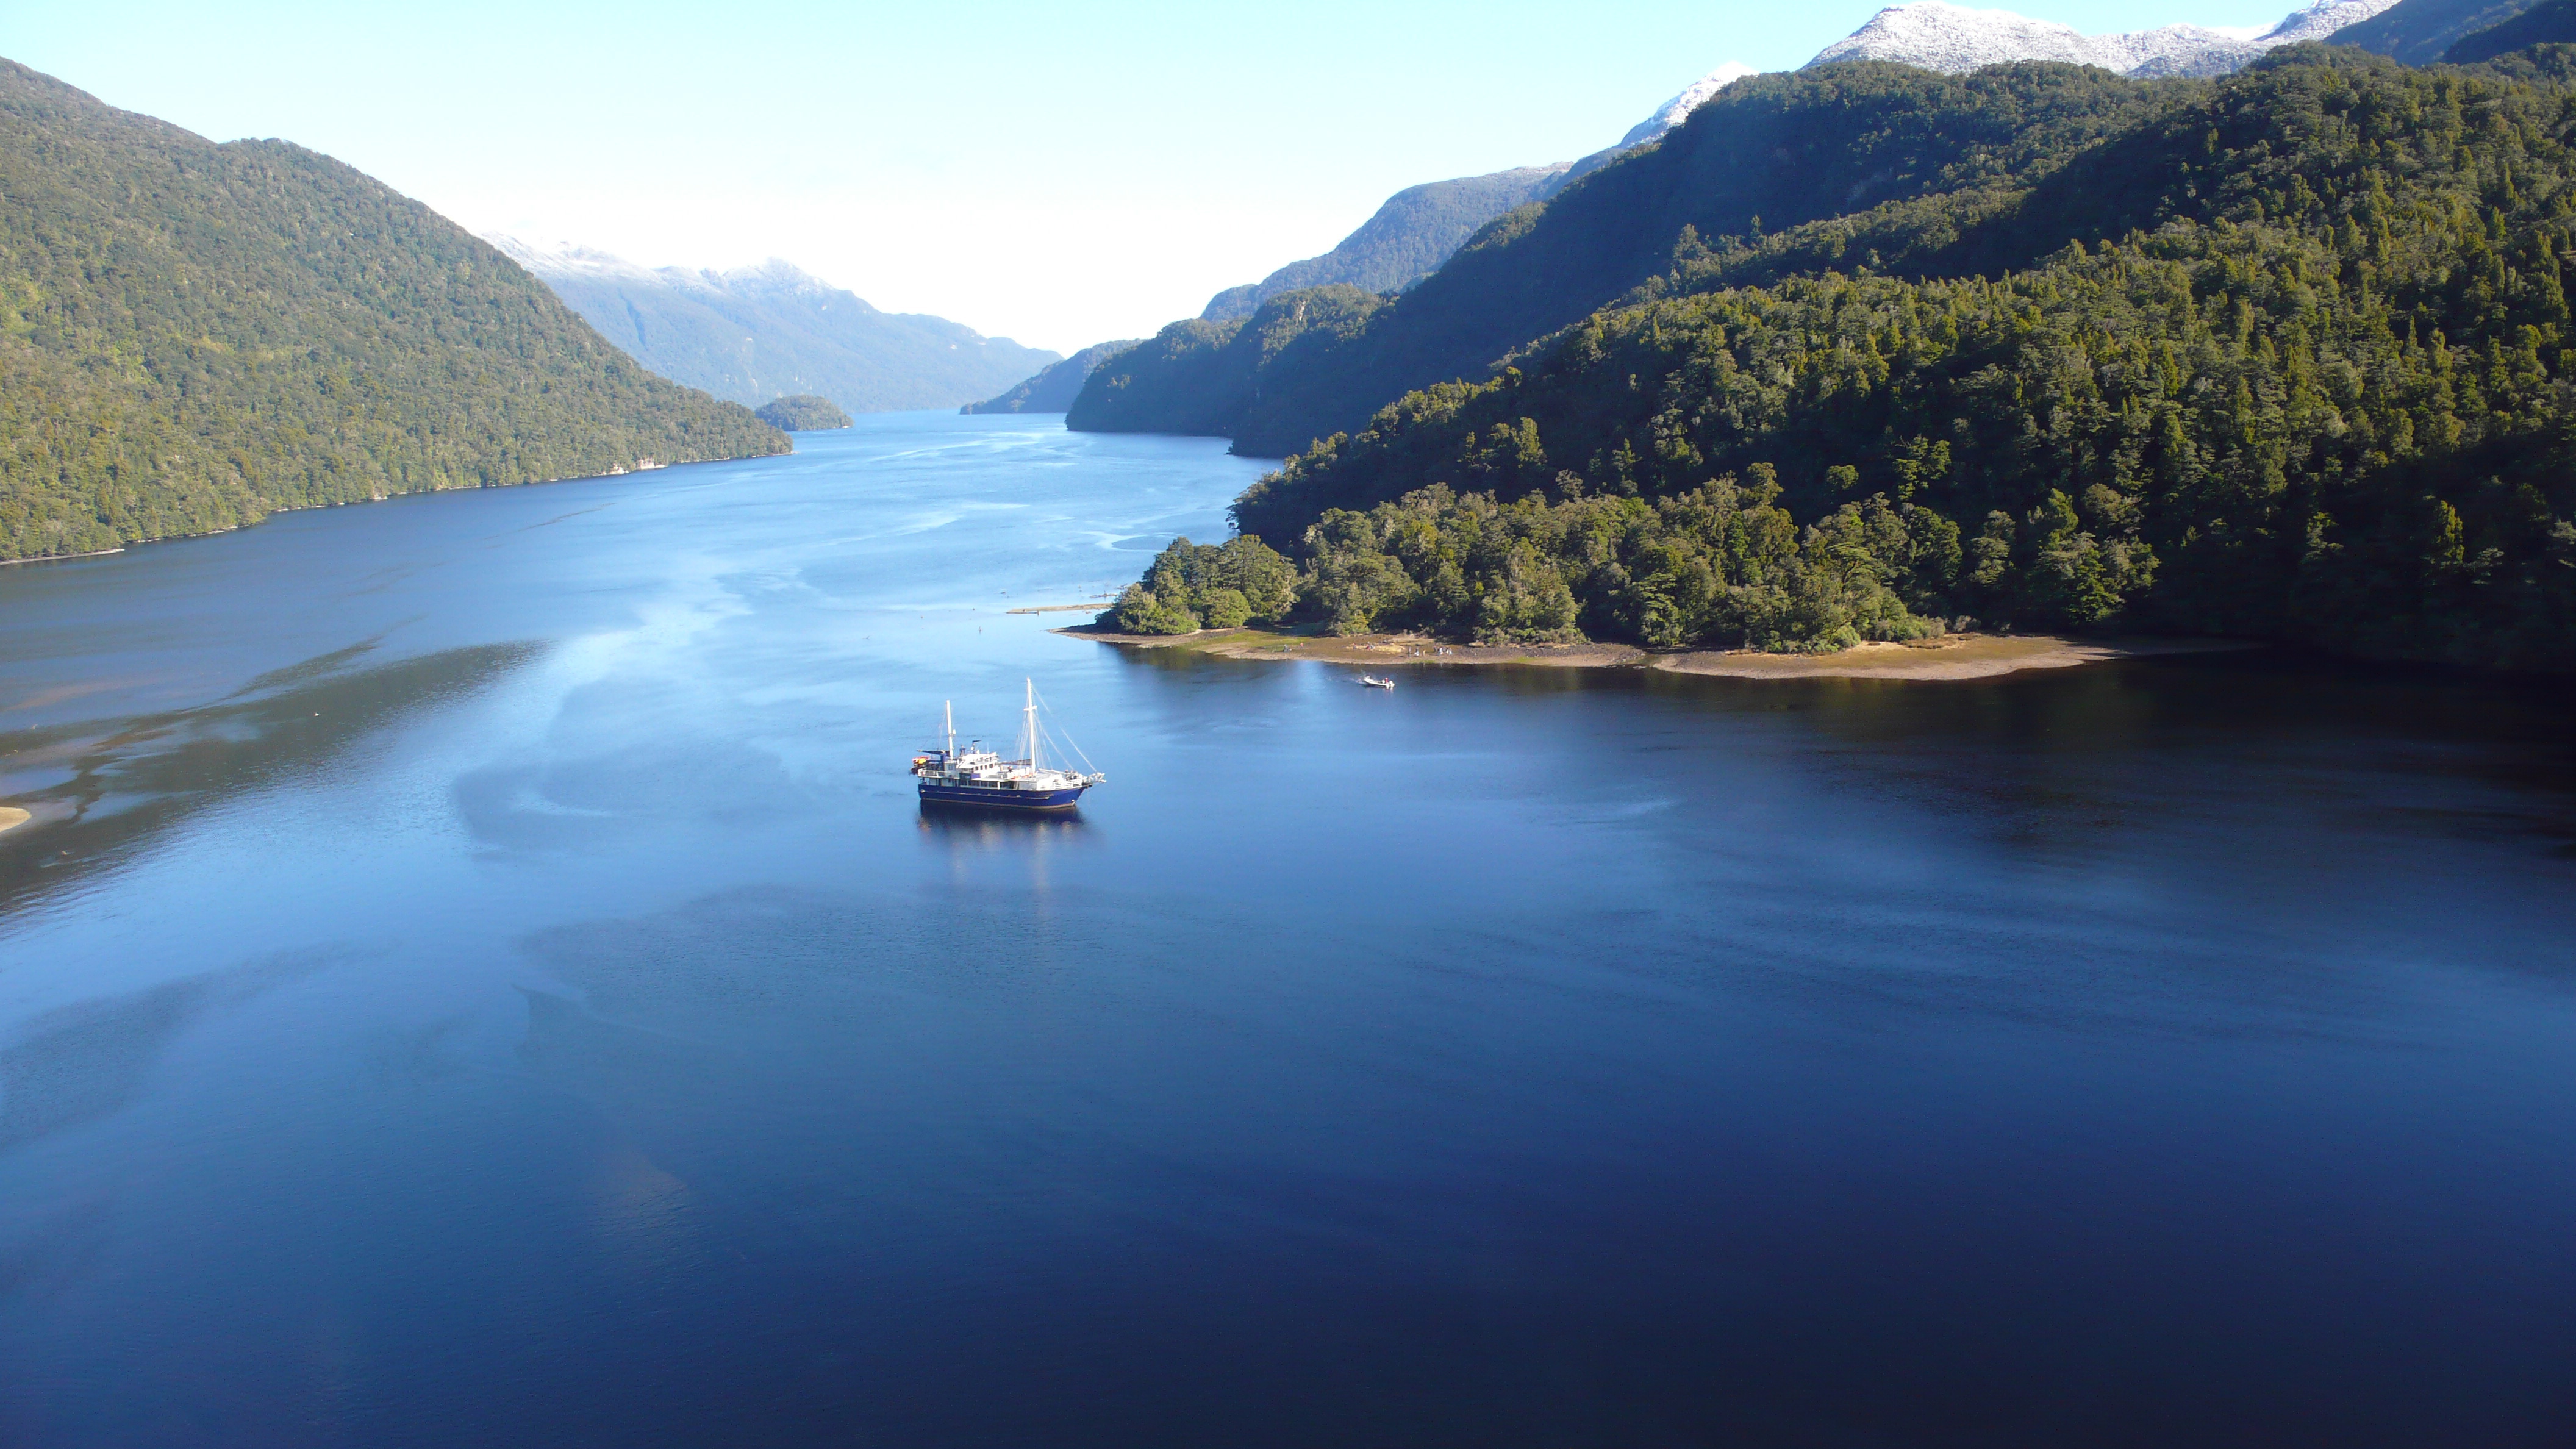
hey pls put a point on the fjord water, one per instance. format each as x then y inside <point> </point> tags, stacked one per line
<point>480,975</point>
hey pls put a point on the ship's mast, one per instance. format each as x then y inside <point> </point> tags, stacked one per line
<point>1032,713</point>
<point>948,715</point>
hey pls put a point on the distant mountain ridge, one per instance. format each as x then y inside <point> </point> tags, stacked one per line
<point>755,334</point>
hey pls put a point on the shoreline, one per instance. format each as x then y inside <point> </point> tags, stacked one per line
<point>1949,657</point>
<point>266,515</point>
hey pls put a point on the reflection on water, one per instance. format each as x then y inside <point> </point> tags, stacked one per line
<point>2170,1052</point>
<point>959,826</point>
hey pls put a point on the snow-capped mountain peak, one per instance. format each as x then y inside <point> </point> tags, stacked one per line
<point>1938,35</point>
<point>566,259</point>
<point>570,262</point>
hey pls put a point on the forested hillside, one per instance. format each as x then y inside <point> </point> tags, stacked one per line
<point>193,335</point>
<point>1767,152</point>
<point>2287,358</point>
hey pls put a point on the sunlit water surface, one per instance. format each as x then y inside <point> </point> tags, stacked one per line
<point>480,976</point>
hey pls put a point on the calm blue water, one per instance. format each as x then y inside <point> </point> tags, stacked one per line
<point>481,976</point>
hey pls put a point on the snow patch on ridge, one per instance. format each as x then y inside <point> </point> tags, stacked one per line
<point>1938,35</point>
<point>567,261</point>
<point>1677,110</point>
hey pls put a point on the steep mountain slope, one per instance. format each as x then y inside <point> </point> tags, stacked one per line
<point>2419,31</point>
<point>2551,23</point>
<point>193,336</point>
<point>1201,377</point>
<point>2305,386</point>
<point>1053,389</point>
<point>1766,152</point>
<point>768,331</point>
<point>1408,237</point>
<point>1940,36</point>
<point>1657,126</point>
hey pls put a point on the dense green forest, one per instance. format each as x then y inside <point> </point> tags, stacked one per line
<point>1769,152</point>
<point>2288,358</point>
<point>803,412</point>
<point>194,335</point>
<point>1191,586</point>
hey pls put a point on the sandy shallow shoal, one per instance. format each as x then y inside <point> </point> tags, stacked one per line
<point>1957,656</point>
<point>1365,648</point>
<point>1961,656</point>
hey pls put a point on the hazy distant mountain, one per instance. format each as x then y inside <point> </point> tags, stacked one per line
<point>2419,32</point>
<point>1940,36</point>
<point>1412,234</point>
<point>770,331</point>
<point>1422,226</point>
<point>1053,390</point>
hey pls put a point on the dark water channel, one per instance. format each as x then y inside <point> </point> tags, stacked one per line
<point>479,976</point>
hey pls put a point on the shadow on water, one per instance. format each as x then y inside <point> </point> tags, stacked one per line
<point>2045,749</point>
<point>100,788</point>
<point>2227,729</point>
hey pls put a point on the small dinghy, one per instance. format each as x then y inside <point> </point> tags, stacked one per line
<point>1371,681</point>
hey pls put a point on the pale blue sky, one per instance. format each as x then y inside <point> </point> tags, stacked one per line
<point>1059,173</point>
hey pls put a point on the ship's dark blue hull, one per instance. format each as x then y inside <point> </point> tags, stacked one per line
<point>984,797</point>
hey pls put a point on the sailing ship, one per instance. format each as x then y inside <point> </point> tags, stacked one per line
<point>981,779</point>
